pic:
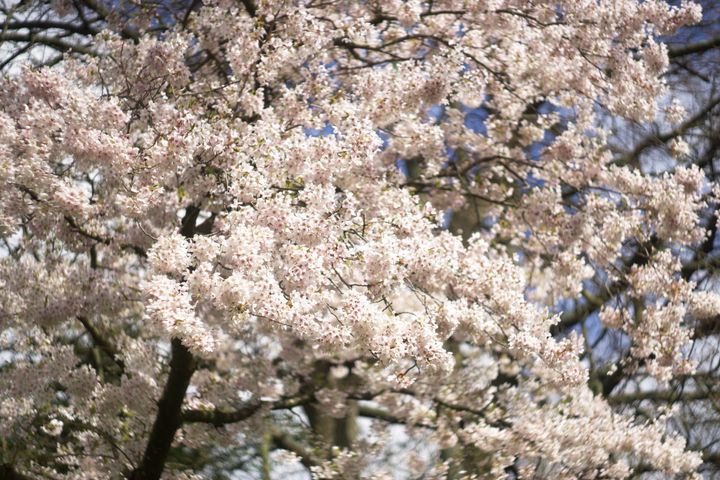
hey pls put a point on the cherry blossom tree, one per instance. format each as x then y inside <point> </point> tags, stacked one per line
<point>383,239</point>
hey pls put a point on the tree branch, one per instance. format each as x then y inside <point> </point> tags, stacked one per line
<point>53,42</point>
<point>101,341</point>
<point>657,396</point>
<point>48,24</point>
<point>101,9</point>
<point>168,419</point>
<point>285,442</point>
<point>385,416</point>
<point>693,48</point>
<point>250,7</point>
<point>662,138</point>
<point>222,417</point>
<point>7,472</point>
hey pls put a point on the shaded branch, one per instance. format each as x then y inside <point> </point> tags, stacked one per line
<point>101,341</point>
<point>168,419</point>
<point>101,9</point>
<point>105,241</point>
<point>250,7</point>
<point>664,396</point>
<point>694,48</point>
<point>285,442</point>
<point>85,29</point>
<point>53,42</point>
<point>662,138</point>
<point>385,416</point>
<point>7,472</point>
<point>219,417</point>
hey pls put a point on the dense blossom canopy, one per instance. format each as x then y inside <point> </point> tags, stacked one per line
<point>220,224</point>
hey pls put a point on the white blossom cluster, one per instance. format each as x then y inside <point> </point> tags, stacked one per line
<point>234,185</point>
